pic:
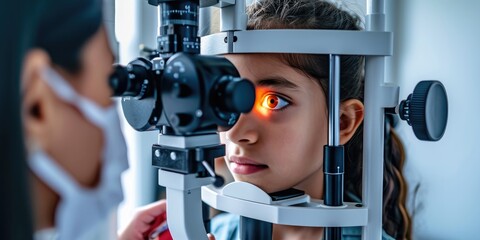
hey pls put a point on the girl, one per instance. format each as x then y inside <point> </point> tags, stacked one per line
<point>279,145</point>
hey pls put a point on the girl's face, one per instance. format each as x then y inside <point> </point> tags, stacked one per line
<point>279,144</point>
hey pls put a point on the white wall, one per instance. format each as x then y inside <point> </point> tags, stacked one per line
<point>135,24</point>
<point>439,39</point>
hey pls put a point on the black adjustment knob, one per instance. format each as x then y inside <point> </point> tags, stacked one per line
<point>426,110</point>
<point>219,181</point>
<point>235,95</point>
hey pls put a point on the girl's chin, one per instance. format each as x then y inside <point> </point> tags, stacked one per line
<point>264,185</point>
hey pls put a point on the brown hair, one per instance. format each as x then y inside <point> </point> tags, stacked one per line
<point>320,14</point>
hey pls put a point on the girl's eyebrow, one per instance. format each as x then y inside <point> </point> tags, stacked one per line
<point>279,82</point>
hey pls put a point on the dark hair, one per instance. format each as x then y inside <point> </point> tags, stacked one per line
<point>17,21</point>
<point>319,14</point>
<point>64,28</point>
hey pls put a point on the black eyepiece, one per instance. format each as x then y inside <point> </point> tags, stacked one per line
<point>134,80</point>
<point>119,80</point>
<point>234,94</point>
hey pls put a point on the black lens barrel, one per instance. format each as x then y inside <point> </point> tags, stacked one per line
<point>178,27</point>
<point>137,79</point>
<point>200,93</point>
<point>190,93</point>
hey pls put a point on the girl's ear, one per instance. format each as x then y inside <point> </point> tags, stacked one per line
<point>351,116</point>
<point>35,95</point>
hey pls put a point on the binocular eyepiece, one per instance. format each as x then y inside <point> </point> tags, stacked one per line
<point>176,88</point>
<point>189,93</point>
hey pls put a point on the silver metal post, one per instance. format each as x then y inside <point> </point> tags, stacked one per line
<point>333,177</point>
<point>233,17</point>
<point>375,6</point>
<point>375,18</point>
<point>334,102</point>
<point>373,142</point>
<point>184,204</point>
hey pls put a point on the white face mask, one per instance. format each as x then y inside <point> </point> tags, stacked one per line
<point>82,209</point>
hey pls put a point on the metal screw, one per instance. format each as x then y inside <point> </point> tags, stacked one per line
<point>173,156</point>
<point>199,113</point>
<point>157,153</point>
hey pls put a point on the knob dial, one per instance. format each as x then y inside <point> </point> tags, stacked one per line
<point>426,110</point>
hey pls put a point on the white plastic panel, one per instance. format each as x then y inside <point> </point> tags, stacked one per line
<point>312,214</point>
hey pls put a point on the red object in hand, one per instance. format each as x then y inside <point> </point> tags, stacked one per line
<point>159,229</point>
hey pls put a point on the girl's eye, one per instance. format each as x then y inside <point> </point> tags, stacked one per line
<point>274,102</point>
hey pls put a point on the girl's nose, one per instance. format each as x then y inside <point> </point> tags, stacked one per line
<point>245,131</point>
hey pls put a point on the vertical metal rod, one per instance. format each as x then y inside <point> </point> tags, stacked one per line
<point>375,19</point>
<point>333,153</point>
<point>234,17</point>
<point>375,6</point>
<point>159,18</point>
<point>373,130</point>
<point>373,142</point>
<point>204,21</point>
<point>334,101</point>
<point>253,229</point>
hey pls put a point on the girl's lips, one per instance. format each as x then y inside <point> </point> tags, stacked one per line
<point>245,166</point>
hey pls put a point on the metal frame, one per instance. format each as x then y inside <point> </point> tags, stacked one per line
<point>183,194</point>
<point>184,207</point>
<point>375,44</point>
<point>340,42</point>
<point>373,140</point>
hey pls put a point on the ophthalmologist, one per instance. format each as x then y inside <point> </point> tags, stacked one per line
<point>75,149</point>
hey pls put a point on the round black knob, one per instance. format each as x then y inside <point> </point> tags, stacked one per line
<point>426,110</point>
<point>219,181</point>
<point>235,95</point>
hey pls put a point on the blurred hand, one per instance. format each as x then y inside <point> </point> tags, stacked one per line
<point>146,219</point>
<point>210,236</point>
<point>143,220</point>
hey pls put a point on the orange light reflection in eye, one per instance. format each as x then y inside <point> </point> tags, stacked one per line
<point>258,108</point>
